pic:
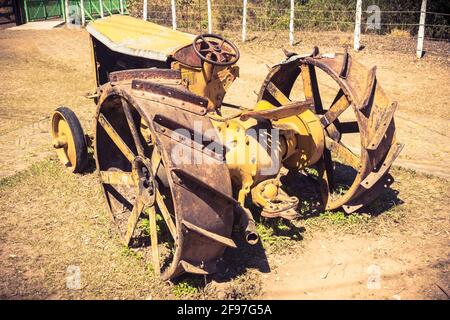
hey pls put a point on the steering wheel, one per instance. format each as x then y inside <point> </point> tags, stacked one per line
<point>215,49</point>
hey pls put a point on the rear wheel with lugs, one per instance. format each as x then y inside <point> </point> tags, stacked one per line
<point>357,121</point>
<point>188,227</point>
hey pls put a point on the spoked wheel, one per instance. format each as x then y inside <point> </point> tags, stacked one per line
<point>357,120</point>
<point>68,139</point>
<point>137,180</point>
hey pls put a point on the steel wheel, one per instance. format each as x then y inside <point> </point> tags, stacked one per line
<point>137,183</point>
<point>68,139</point>
<point>353,111</point>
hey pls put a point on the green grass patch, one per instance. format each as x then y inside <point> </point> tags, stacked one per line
<point>339,218</point>
<point>45,167</point>
<point>144,224</point>
<point>128,252</point>
<point>186,288</point>
<point>275,232</point>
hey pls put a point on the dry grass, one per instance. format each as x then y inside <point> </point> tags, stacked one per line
<point>400,33</point>
<point>34,59</point>
<point>40,71</point>
<point>51,219</point>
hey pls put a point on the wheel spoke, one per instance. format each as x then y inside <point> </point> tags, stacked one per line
<point>220,57</point>
<point>277,94</point>
<point>112,191</point>
<point>117,178</point>
<point>328,162</point>
<point>133,219</point>
<point>205,41</point>
<point>342,152</point>
<point>229,53</point>
<point>155,160</point>
<point>166,215</point>
<point>154,240</point>
<point>311,87</point>
<point>339,105</point>
<point>133,129</point>
<point>116,138</point>
<point>323,182</point>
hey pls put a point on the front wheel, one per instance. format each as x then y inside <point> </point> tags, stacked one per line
<point>68,139</point>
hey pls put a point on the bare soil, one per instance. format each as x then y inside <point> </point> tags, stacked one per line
<point>51,219</point>
<point>408,244</point>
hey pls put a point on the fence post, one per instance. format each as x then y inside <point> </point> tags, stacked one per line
<point>101,8</point>
<point>121,6</point>
<point>421,35</point>
<point>244,21</point>
<point>174,15</point>
<point>357,25</point>
<point>291,24</point>
<point>209,17</point>
<point>83,17</point>
<point>66,5</point>
<point>144,11</point>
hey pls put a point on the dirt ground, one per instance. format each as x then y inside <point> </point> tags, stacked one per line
<point>51,220</point>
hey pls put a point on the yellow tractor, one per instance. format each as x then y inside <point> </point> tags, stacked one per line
<point>169,149</point>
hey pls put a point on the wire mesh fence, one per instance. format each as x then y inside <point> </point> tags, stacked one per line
<point>272,18</point>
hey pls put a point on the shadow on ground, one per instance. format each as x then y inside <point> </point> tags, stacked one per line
<point>306,187</point>
<point>237,262</point>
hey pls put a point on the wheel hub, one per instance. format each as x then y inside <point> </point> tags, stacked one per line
<point>144,180</point>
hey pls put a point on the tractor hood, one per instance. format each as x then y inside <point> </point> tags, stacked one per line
<point>137,37</point>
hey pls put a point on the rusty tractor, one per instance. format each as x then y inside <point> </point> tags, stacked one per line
<point>168,148</point>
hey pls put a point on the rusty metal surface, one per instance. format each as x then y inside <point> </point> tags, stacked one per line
<point>379,172</point>
<point>175,97</point>
<point>203,215</point>
<point>346,64</point>
<point>188,56</point>
<point>365,198</point>
<point>173,76</point>
<point>291,109</point>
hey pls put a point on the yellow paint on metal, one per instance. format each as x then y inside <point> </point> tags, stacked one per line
<point>118,178</point>
<point>211,82</point>
<point>63,141</point>
<point>277,94</point>
<point>137,37</point>
<point>301,144</point>
<point>310,140</point>
<point>115,137</point>
<point>265,192</point>
<point>154,240</point>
